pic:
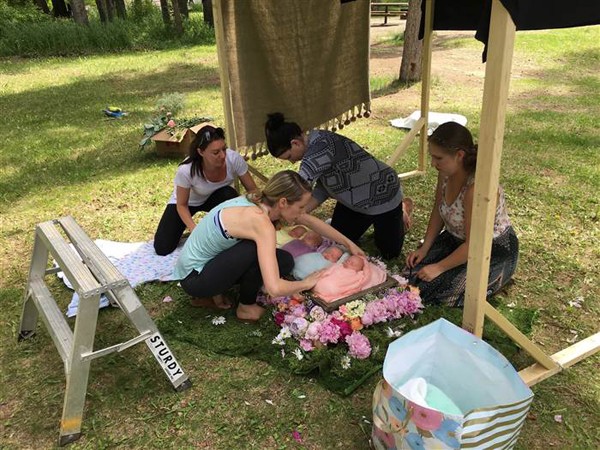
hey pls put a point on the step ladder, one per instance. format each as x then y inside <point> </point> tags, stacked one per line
<point>91,275</point>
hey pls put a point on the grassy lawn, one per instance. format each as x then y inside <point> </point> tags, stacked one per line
<point>60,156</point>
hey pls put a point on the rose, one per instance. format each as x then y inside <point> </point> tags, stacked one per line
<point>171,123</point>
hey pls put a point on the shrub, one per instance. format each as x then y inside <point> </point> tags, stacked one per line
<point>43,35</point>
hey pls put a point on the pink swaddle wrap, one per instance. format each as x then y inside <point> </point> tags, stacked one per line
<point>337,281</point>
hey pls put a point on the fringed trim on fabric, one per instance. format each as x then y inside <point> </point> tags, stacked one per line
<point>338,123</point>
<point>252,152</point>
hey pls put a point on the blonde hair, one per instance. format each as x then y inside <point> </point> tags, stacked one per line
<point>285,184</point>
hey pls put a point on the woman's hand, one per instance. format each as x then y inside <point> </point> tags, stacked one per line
<point>415,257</point>
<point>312,279</point>
<point>430,272</point>
<point>355,249</point>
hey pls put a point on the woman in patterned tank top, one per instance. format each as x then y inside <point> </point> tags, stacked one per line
<point>439,266</point>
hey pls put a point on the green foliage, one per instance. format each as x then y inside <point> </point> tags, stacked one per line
<point>141,9</point>
<point>28,32</point>
<point>15,14</point>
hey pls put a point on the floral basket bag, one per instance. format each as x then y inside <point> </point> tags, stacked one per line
<point>444,388</point>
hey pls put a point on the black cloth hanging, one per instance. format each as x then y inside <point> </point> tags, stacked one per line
<point>526,14</point>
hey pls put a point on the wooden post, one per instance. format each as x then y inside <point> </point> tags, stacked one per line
<point>224,74</point>
<point>426,83</point>
<point>491,134</point>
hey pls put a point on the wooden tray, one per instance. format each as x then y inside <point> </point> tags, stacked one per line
<point>330,306</point>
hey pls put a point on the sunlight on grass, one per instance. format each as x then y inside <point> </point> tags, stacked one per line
<point>61,156</point>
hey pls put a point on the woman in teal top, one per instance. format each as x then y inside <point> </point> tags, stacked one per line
<point>235,244</point>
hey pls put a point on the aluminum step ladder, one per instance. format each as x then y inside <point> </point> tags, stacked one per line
<point>91,275</point>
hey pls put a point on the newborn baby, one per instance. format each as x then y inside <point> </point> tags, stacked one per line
<point>308,263</point>
<point>308,243</point>
<point>354,275</point>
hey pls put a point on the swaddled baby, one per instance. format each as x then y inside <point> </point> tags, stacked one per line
<point>309,242</point>
<point>308,263</point>
<point>355,274</point>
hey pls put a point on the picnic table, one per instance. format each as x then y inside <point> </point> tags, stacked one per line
<point>385,10</point>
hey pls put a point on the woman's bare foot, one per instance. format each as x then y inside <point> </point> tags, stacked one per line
<point>222,302</point>
<point>216,302</point>
<point>249,313</point>
<point>407,209</point>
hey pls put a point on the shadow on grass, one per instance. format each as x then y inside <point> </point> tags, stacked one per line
<point>63,138</point>
<point>392,88</point>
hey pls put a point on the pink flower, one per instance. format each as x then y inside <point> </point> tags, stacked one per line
<point>345,328</point>
<point>297,436</point>
<point>359,345</point>
<point>298,326</point>
<point>329,332</point>
<point>279,318</point>
<point>318,314</point>
<point>306,345</point>
<point>375,312</point>
<point>425,418</point>
<point>313,331</point>
<point>171,123</point>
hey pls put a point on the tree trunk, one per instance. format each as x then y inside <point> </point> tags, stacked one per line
<point>110,10</point>
<point>59,9</point>
<point>43,5</point>
<point>121,9</point>
<point>208,13</point>
<point>410,67</point>
<point>164,9</point>
<point>79,13</point>
<point>101,5</point>
<point>183,9</point>
<point>177,18</point>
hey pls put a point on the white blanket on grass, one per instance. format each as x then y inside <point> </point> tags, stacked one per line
<point>435,120</point>
<point>136,261</point>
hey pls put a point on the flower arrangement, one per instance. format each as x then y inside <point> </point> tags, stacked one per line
<point>313,328</point>
<point>167,108</point>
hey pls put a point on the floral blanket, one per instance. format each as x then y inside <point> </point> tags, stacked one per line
<point>137,262</point>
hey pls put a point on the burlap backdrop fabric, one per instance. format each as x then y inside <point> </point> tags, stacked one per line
<point>306,58</point>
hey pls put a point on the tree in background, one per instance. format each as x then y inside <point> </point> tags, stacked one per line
<point>177,22</point>
<point>410,67</point>
<point>79,13</point>
<point>59,9</point>
<point>207,12</point>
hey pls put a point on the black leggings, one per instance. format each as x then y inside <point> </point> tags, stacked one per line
<point>388,228</point>
<point>171,227</point>
<point>236,265</point>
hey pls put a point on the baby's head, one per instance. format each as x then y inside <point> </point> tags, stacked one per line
<point>297,232</point>
<point>312,239</point>
<point>333,253</point>
<point>354,262</point>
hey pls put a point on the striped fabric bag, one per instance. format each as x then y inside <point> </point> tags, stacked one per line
<point>444,388</point>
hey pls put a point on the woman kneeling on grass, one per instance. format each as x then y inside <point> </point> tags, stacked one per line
<point>203,180</point>
<point>439,266</point>
<point>235,244</point>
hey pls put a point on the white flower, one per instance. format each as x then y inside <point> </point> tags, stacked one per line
<point>298,354</point>
<point>284,333</point>
<point>345,362</point>
<point>392,333</point>
<point>282,353</point>
<point>219,320</point>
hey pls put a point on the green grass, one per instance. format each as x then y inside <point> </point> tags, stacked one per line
<point>61,156</point>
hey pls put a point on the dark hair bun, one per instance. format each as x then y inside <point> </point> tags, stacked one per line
<point>274,121</point>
